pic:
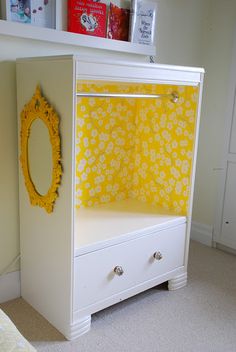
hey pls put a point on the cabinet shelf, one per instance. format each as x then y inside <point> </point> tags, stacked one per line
<point>25,31</point>
<point>113,223</point>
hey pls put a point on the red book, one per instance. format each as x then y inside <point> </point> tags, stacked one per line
<point>118,23</point>
<point>87,17</point>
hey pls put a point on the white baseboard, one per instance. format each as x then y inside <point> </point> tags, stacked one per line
<point>9,286</point>
<point>202,233</point>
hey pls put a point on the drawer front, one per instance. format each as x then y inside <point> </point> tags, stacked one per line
<point>95,279</point>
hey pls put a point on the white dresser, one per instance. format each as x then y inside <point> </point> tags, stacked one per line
<point>121,222</point>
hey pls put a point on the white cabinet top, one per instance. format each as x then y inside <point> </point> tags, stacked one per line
<point>111,223</point>
<point>117,70</point>
<point>98,68</point>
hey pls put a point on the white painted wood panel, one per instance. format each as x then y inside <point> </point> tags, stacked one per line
<point>95,279</point>
<point>89,68</point>
<point>19,30</point>
<point>134,290</point>
<point>232,146</point>
<point>228,235</point>
<point>193,171</point>
<point>112,223</point>
<point>225,203</point>
<point>46,282</point>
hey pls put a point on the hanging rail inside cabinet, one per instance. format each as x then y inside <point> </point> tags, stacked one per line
<point>174,97</point>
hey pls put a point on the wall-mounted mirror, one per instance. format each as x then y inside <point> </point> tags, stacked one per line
<point>40,151</point>
<point>40,156</point>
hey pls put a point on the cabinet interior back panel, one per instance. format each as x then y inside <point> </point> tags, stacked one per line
<point>135,148</point>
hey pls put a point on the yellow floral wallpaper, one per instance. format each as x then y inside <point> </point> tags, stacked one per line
<point>138,148</point>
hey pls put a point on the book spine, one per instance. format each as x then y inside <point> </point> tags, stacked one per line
<point>69,6</point>
<point>132,20</point>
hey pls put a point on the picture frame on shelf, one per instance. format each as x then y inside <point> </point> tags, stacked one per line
<point>40,13</point>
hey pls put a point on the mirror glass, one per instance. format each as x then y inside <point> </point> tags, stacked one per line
<point>40,156</point>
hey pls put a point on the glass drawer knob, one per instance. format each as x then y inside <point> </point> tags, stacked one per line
<point>118,270</point>
<point>157,255</point>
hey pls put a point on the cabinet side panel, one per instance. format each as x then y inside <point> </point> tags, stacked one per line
<point>46,239</point>
<point>193,171</point>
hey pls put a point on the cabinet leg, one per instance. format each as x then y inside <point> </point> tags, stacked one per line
<point>177,282</point>
<point>79,328</point>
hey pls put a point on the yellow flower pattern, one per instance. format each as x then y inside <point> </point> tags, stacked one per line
<point>135,148</point>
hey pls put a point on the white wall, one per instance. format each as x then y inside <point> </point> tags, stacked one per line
<point>9,222</point>
<point>180,31</point>
<point>217,46</point>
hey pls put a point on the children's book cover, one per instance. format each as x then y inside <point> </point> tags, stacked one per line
<point>87,17</point>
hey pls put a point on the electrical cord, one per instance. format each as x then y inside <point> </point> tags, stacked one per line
<point>14,261</point>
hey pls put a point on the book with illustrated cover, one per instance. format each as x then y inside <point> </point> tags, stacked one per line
<point>142,22</point>
<point>87,17</point>
<point>118,20</point>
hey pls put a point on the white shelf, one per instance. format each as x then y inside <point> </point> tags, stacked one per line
<point>26,31</point>
<point>112,223</point>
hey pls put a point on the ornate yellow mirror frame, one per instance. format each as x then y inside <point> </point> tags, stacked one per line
<point>39,108</point>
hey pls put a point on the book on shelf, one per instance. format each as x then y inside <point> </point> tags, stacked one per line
<point>118,20</point>
<point>87,17</point>
<point>142,22</point>
<point>41,13</point>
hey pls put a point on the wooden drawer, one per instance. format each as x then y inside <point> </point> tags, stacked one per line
<point>95,279</point>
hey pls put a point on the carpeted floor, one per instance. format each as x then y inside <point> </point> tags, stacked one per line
<point>198,318</point>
